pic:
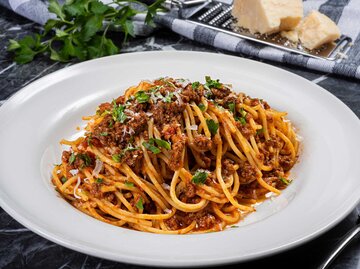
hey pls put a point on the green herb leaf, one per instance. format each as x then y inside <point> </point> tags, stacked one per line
<point>195,85</point>
<point>259,131</point>
<point>142,97</point>
<point>151,147</point>
<point>104,134</point>
<point>162,143</point>
<point>168,97</point>
<point>232,107</point>
<point>210,83</point>
<point>234,226</point>
<point>202,107</point>
<point>86,158</point>
<point>63,179</point>
<point>129,184</point>
<point>79,30</point>
<point>99,180</point>
<point>284,180</point>
<point>242,120</point>
<point>139,204</point>
<point>116,157</point>
<point>118,112</point>
<point>72,158</point>
<point>213,126</point>
<point>199,177</point>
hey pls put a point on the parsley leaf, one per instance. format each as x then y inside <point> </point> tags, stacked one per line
<point>117,157</point>
<point>118,112</point>
<point>284,180</point>
<point>80,30</point>
<point>162,143</point>
<point>99,180</point>
<point>259,131</point>
<point>151,147</point>
<point>210,83</point>
<point>72,158</point>
<point>202,107</point>
<point>63,179</point>
<point>232,107</point>
<point>139,204</point>
<point>104,133</point>
<point>199,177</point>
<point>213,126</point>
<point>242,120</point>
<point>168,97</point>
<point>142,97</point>
<point>86,158</point>
<point>129,184</point>
<point>195,85</point>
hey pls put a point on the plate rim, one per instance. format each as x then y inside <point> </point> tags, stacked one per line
<point>144,261</point>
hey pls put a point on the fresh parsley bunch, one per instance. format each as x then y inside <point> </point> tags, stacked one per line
<point>80,30</point>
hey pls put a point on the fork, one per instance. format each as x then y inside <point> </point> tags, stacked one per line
<point>342,244</point>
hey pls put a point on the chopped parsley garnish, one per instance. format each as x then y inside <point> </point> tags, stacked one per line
<point>202,107</point>
<point>99,180</point>
<point>243,112</point>
<point>104,133</point>
<point>232,107</point>
<point>118,112</point>
<point>129,184</point>
<point>142,97</point>
<point>162,143</point>
<point>210,83</point>
<point>259,131</point>
<point>89,139</point>
<point>199,177</point>
<point>150,145</point>
<point>168,97</point>
<point>111,124</point>
<point>213,126</point>
<point>234,226</point>
<point>87,160</point>
<point>284,180</point>
<point>242,120</point>
<point>117,157</point>
<point>72,158</point>
<point>139,204</point>
<point>195,85</point>
<point>63,179</point>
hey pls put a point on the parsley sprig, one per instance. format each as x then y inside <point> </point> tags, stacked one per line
<point>80,30</point>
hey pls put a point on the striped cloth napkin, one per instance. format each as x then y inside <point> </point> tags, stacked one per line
<point>346,13</point>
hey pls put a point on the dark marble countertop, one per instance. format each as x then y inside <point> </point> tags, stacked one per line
<point>21,248</point>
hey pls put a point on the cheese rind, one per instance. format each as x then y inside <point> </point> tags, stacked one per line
<point>268,16</point>
<point>316,30</point>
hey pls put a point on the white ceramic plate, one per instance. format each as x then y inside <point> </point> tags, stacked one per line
<point>326,180</point>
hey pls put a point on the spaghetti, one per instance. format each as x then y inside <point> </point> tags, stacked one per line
<point>175,157</point>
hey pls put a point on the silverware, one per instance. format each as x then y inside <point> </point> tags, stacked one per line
<point>341,245</point>
<point>217,16</point>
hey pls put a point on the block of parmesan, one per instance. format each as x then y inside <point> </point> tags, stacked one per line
<point>317,29</point>
<point>292,35</point>
<point>268,16</point>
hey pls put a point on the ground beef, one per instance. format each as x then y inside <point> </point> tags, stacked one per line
<point>190,95</point>
<point>245,129</point>
<point>173,223</point>
<point>206,160</point>
<point>190,190</point>
<point>247,173</point>
<point>164,113</point>
<point>169,130</point>
<point>286,162</point>
<point>227,167</point>
<point>177,147</point>
<point>138,123</point>
<point>133,158</point>
<point>203,143</point>
<point>104,107</point>
<point>206,222</point>
<point>220,93</point>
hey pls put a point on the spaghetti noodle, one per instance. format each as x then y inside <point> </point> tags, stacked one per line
<point>175,157</point>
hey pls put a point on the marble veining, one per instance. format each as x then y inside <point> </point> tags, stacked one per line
<point>21,248</point>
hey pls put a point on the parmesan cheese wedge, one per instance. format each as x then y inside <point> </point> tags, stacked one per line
<point>316,30</point>
<point>268,16</point>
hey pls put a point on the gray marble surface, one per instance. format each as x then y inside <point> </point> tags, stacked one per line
<point>21,248</point>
